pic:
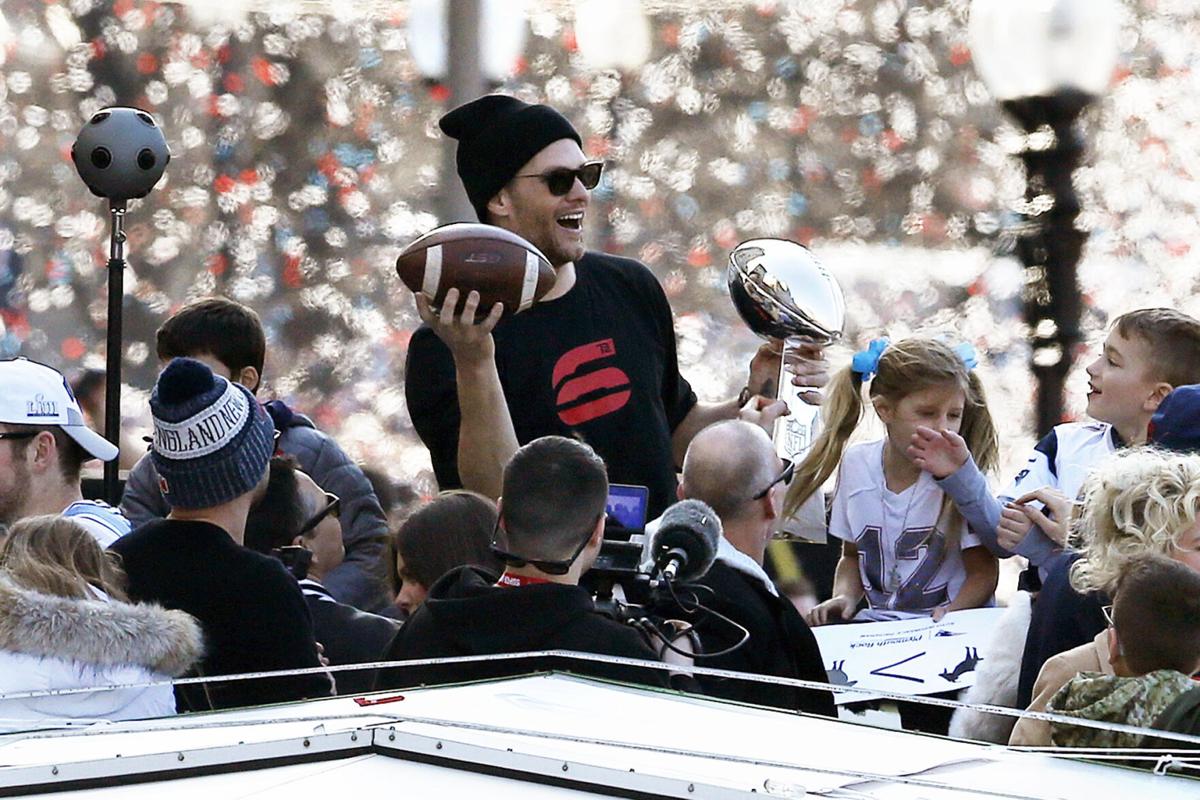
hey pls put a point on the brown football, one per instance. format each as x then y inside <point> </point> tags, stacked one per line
<point>500,265</point>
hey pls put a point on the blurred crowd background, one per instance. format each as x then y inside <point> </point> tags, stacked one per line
<point>306,154</point>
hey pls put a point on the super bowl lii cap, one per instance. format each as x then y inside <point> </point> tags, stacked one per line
<point>35,394</point>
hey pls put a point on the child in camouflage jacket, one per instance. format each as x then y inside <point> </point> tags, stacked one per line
<point>1154,642</point>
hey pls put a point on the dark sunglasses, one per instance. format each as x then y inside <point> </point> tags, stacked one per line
<point>548,567</point>
<point>785,477</point>
<point>560,180</point>
<point>18,434</point>
<point>333,508</point>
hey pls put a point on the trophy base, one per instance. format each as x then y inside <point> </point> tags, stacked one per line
<point>794,436</point>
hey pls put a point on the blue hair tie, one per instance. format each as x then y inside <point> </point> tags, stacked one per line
<point>866,362</point>
<point>966,351</point>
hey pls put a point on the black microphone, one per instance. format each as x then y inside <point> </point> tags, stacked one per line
<point>685,544</point>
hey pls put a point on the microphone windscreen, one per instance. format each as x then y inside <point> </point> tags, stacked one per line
<point>695,528</point>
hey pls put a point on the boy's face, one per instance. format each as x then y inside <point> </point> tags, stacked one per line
<point>1121,391</point>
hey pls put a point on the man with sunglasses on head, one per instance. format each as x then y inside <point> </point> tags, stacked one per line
<point>548,534</point>
<point>594,359</point>
<point>297,522</point>
<point>733,467</point>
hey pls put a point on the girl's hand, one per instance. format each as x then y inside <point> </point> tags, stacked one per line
<point>763,411</point>
<point>1013,527</point>
<point>1055,524</point>
<point>835,609</point>
<point>940,612</point>
<point>940,453</point>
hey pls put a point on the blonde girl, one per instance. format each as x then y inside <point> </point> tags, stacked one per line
<point>64,625</point>
<point>56,556</point>
<point>906,547</point>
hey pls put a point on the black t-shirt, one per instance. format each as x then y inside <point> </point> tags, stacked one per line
<point>598,364</point>
<point>251,610</point>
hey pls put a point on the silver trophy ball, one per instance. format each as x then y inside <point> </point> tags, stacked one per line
<point>120,153</point>
<point>781,290</point>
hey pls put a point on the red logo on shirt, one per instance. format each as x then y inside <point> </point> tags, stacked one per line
<point>602,391</point>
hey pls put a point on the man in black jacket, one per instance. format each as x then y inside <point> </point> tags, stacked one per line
<point>733,467</point>
<point>549,533</point>
<point>211,446</point>
<point>298,522</point>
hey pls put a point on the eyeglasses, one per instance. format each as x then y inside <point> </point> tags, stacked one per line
<point>18,434</point>
<point>333,508</point>
<point>1107,612</point>
<point>561,180</point>
<point>785,477</point>
<point>548,567</point>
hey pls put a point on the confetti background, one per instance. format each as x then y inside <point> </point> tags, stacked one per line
<point>306,154</point>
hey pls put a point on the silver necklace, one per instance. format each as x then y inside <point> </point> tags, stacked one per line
<point>891,583</point>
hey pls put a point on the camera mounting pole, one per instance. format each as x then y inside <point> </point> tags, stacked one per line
<point>120,154</point>
<point>112,380</point>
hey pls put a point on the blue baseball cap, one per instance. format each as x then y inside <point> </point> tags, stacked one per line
<point>1176,423</point>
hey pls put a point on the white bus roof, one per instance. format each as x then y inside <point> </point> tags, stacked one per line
<point>541,735</point>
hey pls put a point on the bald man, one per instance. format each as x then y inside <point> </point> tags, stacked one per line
<point>733,467</point>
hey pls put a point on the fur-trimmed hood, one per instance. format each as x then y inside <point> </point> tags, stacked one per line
<point>97,632</point>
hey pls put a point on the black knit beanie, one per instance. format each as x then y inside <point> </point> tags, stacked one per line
<point>497,135</point>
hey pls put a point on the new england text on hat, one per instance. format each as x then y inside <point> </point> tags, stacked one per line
<point>205,432</point>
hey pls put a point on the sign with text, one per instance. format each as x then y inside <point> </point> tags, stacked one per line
<point>911,656</point>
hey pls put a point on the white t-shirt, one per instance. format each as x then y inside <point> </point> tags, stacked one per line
<point>903,562</point>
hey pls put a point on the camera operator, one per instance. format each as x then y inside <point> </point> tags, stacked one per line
<point>548,534</point>
<point>732,466</point>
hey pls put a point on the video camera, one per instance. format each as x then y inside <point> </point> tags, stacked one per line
<point>619,578</point>
<point>646,579</point>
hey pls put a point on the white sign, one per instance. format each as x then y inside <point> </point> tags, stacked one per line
<point>912,656</point>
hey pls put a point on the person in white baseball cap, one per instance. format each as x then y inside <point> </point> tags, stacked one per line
<point>43,444</point>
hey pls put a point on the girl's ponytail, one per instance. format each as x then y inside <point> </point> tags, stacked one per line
<point>978,429</point>
<point>840,413</point>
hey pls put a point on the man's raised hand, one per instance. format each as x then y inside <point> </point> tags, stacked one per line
<point>805,362</point>
<point>467,339</point>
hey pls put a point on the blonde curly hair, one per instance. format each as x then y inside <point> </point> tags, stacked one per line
<point>1135,503</point>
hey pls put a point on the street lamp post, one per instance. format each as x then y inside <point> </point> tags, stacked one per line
<point>447,43</point>
<point>1045,61</point>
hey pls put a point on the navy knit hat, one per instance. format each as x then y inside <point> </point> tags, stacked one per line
<point>1176,423</point>
<point>212,441</point>
<point>497,135</point>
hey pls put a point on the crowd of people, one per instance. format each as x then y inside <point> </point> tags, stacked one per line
<point>247,541</point>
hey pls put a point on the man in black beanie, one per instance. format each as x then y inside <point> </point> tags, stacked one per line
<point>594,359</point>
